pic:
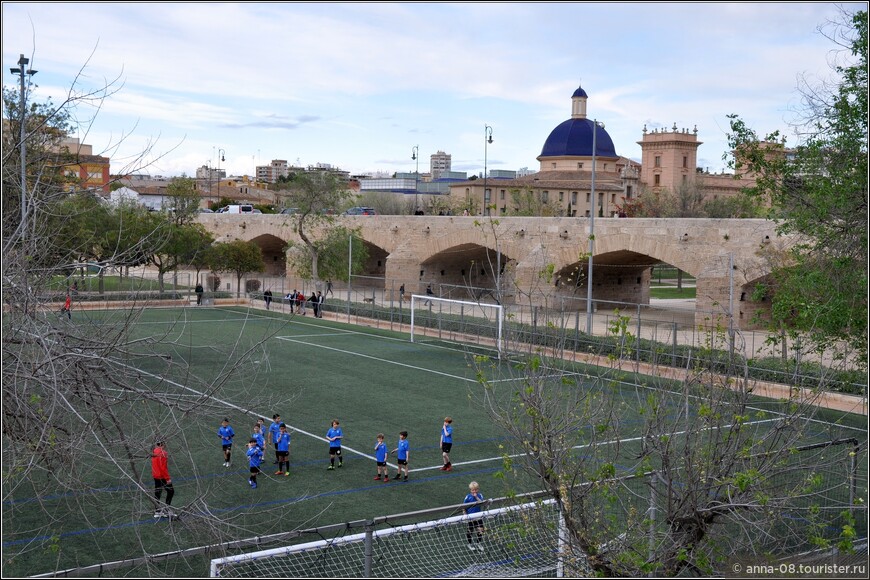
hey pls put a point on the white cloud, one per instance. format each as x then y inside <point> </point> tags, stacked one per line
<point>355,84</point>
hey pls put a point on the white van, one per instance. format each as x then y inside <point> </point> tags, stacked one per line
<point>244,208</point>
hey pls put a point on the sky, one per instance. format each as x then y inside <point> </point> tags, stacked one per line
<point>165,88</point>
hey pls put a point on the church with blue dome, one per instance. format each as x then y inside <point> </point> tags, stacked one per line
<point>574,137</point>
<point>563,185</point>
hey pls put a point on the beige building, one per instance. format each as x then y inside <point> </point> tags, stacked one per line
<point>563,185</point>
<point>439,163</point>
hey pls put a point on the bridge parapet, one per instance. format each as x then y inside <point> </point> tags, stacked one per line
<point>466,249</point>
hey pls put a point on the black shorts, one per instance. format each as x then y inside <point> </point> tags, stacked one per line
<point>382,463</point>
<point>282,455</point>
<point>402,461</point>
<point>445,447</point>
<point>335,450</point>
<point>475,526</point>
<point>255,470</point>
<point>161,484</point>
<point>230,446</point>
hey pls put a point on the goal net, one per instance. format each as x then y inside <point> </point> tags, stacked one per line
<point>443,319</point>
<point>508,542</point>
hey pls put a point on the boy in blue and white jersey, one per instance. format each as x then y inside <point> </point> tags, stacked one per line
<point>475,527</point>
<point>282,448</point>
<point>381,458</point>
<point>255,459</point>
<point>334,436</point>
<point>258,435</point>
<point>403,451</point>
<point>226,433</point>
<point>446,443</point>
<point>274,429</point>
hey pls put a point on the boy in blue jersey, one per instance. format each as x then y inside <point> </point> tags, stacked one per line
<point>403,451</point>
<point>272,436</point>
<point>258,435</point>
<point>226,433</point>
<point>446,443</point>
<point>381,458</point>
<point>255,459</point>
<point>282,448</point>
<point>475,527</point>
<point>334,436</point>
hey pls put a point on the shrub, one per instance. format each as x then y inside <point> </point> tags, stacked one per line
<point>213,282</point>
<point>252,285</point>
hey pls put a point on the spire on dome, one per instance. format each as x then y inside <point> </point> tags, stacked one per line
<point>578,104</point>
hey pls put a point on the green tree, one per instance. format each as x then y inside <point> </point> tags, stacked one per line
<point>238,257</point>
<point>199,254</point>
<point>316,195</point>
<point>333,255</point>
<point>817,192</point>
<point>526,203</point>
<point>182,199</point>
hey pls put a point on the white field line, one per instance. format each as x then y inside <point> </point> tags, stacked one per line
<point>242,410</point>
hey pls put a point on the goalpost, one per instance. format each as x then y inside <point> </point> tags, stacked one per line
<point>509,542</point>
<point>458,320</point>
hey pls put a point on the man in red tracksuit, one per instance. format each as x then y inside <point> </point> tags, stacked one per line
<point>160,473</point>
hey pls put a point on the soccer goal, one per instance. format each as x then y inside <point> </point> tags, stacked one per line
<point>508,542</point>
<point>457,321</point>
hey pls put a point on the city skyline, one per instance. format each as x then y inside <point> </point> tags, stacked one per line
<point>357,86</point>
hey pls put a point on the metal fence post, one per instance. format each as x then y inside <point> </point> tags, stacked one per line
<point>369,550</point>
<point>652,520</point>
<point>637,346</point>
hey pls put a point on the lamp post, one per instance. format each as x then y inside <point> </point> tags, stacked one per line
<point>415,150</point>
<point>220,158</point>
<point>487,139</point>
<point>591,232</point>
<point>21,71</point>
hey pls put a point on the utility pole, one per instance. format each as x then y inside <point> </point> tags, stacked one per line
<point>21,71</point>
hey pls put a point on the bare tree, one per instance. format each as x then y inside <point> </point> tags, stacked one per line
<point>664,477</point>
<point>86,396</point>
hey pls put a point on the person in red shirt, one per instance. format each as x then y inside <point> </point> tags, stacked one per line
<point>162,480</point>
<point>67,307</point>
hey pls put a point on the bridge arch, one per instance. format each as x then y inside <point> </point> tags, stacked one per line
<point>274,253</point>
<point>465,270</point>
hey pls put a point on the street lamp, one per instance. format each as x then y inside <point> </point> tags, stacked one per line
<point>414,156</point>
<point>487,139</point>
<point>595,126</point>
<point>21,71</point>
<point>220,158</point>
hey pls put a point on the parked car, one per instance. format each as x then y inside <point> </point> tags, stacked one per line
<point>243,208</point>
<point>361,211</point>
<point>290,210</point>
<point>205,210</point>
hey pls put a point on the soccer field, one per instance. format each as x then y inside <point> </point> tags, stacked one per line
<point>308,370</point>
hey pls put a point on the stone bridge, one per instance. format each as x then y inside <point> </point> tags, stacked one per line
<point>540,259</point>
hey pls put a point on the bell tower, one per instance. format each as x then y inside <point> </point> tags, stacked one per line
<point>668,158</point>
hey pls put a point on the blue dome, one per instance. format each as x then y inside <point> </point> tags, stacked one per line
<point>579,93</point>
<point>574,138</point>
